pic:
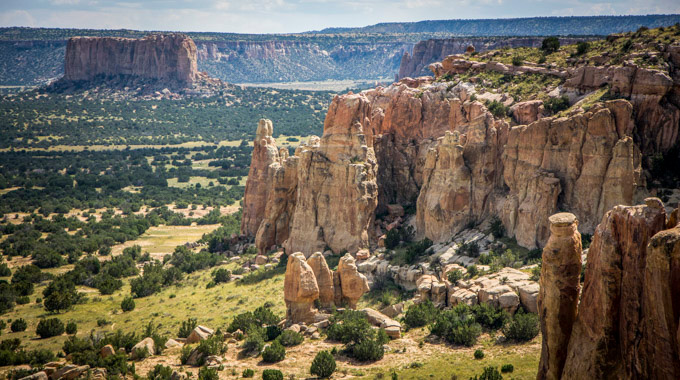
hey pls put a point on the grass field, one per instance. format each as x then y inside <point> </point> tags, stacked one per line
<point>162,240</point>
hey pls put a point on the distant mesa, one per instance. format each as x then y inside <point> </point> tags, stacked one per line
<point>157,60</point>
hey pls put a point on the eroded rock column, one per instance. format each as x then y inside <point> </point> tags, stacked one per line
<point>558,295</point>
<point>300,290</point>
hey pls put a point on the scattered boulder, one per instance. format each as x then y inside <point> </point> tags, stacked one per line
<point>107,351</point>
<point>260,259</point>
<point>171,343</point>
<point>146,343</point>
<point>393,310</point>
<point>69,372</point>
<point>199,333</point>
<point>392,327</point>
<point>41,375</point>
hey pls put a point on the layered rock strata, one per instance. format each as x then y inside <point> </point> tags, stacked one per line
<point>165,57</point>
<point>559,291</point>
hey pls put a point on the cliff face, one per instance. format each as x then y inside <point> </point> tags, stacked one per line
<point>431,144</point>
<point>628,318</point>
<point>435,50</point>
<point>156,57</point>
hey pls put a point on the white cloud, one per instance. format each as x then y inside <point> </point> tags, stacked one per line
<point>65,2</point>
<point>17,18</point>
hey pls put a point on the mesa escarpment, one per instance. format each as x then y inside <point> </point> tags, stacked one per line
<point>170,59</point>
<point>433,50</point>
<point>627,320</point>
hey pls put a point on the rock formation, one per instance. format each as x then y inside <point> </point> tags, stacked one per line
<point>300,289</point>
<point>628,317</point>
<point>559,291</point>
<point>309,280</point>
<point>433,50</point>
<point>605,341</point>
<point>170,58</point>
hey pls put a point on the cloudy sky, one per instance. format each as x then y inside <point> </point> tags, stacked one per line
<point>287,16</point>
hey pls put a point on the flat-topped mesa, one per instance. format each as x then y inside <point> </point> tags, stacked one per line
<point>559,291</point>
<point>165,58</point>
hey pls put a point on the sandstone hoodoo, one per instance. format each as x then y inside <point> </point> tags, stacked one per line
<point>310,280</point>
<point>627,320</point>
<point>166,58</point>
<point>559,291</point>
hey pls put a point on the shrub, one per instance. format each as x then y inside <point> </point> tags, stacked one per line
<point>23,300</point>
<point>582,48</point>
<point>556,105</point>
<point>290,338</point>
<point>272,374</point>
<point>523,327</point>
<point>479,354</point>
<point>454,276</point>
<point>187,327</point>
<point>550,45</point>
<point>211,346</point>
<point>627,45</point>
<point>141,353</point>
<point>498,109</point>
<point>128,304</point>
<point>264,316</point>
<point>368,350</point>
<point>273,353</point>
<point>107,284</point>
<point>517,60</point>
<point>7,297</point>
<point>71,328</point>
<point>349,327</point>
<point>206,373</point>
<point>160,372</point>
<point>272,332</point>
<point>60,294</point>
<point>472,271</point>
<point>420,314</point>
<point>497,228</point>
<point>489,373</point>
<point>4,270</point>
<point>3,325</point>
<point>49,327</point>
<point>323,365</point>
<point>18,325</point>
<point>253,344</point>
<point>457,326</point>
<point>505,368</point>
<point>248,373</point>
<point>185,354</point>
<point>221,275</point>
<point>489,317</point>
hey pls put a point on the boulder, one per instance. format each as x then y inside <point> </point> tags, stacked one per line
<point>199,333</point>
<point>392,327</point>
<point>107,351</point>
<point>41,375</point>
<point>69,372</point>
<point>527,112</point>
<point>393,311</point>
<point>146,343</point>
<point>171,343</point>
<point>260,259</point>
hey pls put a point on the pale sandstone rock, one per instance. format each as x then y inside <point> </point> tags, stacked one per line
<point>107,351</point>
<point>558,296</point>
<point>324,279</point>
<point>300,289</point>
<point>527,112</point>
<point>199,333</point>
<point>353,284</point>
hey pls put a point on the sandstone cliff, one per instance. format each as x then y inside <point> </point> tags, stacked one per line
<point>628,318</point>
<point>170,58</point>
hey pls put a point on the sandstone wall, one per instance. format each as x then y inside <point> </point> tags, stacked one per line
<point>159,57</point>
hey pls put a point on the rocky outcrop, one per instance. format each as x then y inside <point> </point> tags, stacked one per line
<point>300,290</point>
<point>434,50</point>
<point>309,280</point>
<point>352,283</point>
<point>586,162</point>
<point>170,58</point>
<point>605,340</point>
<point>628,318</point>
<point>559,291</point>
<point>527,112</point>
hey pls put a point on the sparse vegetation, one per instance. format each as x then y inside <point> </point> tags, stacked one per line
<point>49,327</point>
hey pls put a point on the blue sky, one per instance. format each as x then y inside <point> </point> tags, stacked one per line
<point>288,16</point>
